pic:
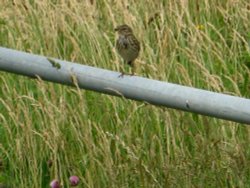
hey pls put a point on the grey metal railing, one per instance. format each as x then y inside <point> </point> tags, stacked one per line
<point>132,87</point>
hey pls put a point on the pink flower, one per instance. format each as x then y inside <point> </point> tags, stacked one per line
<point>74,180</point>
<point>55,184</point>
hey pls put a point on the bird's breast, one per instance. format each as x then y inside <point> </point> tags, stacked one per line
<point>123,42</point>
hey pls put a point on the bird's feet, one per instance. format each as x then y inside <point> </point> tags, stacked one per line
<point>122,74</point>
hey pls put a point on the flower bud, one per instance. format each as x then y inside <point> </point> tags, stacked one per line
<point>74,180</point>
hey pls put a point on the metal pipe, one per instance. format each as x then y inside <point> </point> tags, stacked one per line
<point>132,87</point>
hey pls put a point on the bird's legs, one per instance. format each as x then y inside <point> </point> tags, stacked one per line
<point>129,74</point>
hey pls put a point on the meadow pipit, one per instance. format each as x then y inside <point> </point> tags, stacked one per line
<point>127,45</point>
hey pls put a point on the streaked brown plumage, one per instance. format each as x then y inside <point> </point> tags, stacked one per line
<point>127,45</point>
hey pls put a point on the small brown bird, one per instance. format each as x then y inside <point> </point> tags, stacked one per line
<point>127,45</point>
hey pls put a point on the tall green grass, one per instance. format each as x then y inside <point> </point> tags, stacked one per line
<point>113,142</point>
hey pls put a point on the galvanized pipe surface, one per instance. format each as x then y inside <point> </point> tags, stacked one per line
<point>132,87</point>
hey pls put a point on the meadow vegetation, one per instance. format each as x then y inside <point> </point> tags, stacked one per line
<point>109,141</point>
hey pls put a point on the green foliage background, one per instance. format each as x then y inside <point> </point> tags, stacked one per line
<point>112,142</point>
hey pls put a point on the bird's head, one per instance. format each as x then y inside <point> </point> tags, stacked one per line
<point>123,29</point>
